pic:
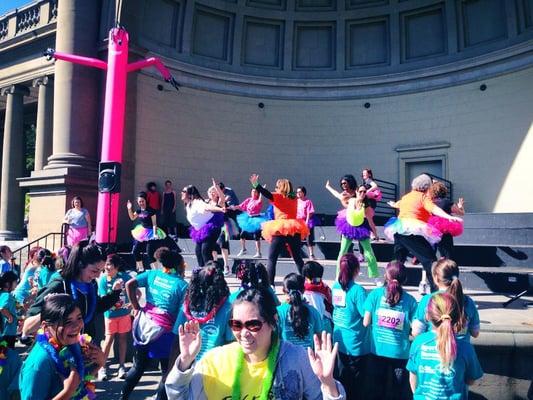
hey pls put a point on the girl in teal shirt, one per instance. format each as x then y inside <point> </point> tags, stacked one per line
<point>8,309</point>
<point>390,310</point>
<point>348,329</point>
<point>440,366</point>
<point>297,320</point>
<point>61,359</point>
<point>446,275</point>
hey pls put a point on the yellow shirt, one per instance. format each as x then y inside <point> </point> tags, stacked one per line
<point>218,368</point>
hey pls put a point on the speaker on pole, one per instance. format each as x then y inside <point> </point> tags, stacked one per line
<point>109,177</point>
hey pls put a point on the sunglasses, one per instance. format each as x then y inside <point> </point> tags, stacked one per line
<point>252,325</point>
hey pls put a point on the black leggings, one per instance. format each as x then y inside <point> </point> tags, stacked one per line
<point>140,362</point>
<point>204,250</point>
<point>445,246</point>
<point>352,375</point>
<point>390,379</point>
<point>420,248</point>
<point>277,246</point>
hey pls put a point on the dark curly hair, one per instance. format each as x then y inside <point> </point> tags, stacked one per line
<point>293,285</point>
<point>252,275</point>
<point>206,289</point>
<point>170,259</point>
<point>46,259</point>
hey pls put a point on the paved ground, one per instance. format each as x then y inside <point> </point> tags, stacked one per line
<point>494,318</point>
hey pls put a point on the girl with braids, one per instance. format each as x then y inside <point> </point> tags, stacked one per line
<point>78,279</point>
<point>285,229</point>
<point>253,276</point>
<point>348,329</point>
<point>446,275</point>
<point>298,321</point>
<point>390,311</point>
<point>206,302</point>
<point>152,327</point>
<point>258,365</point>
<point>61,361</point>
<point>317,293</point>
<point>440,366</point>
<point>352,224</point>
<point>206,222</point>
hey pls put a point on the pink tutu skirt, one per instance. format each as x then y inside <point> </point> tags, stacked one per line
<point>411,226</point>
<point>454,228</point>
<point>76,235</point>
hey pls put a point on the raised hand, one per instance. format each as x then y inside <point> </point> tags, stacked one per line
<point>128,205</point>
<point>119,284</point>
<point>328,185</point>
<point>254,179</point>
<point>322,359</point>
<point>190,343</point>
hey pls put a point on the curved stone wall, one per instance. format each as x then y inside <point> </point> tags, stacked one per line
<point>334,48</point>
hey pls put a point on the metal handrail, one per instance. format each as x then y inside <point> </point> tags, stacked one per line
<point>52,236</point>
<point>389,192</point>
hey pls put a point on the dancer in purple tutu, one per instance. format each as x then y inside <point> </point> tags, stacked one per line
<point>352,222</point>
<point>206,221</point>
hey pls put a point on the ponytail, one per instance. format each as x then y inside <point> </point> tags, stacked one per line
<point>395,275</point>
<point>293,285</point>
<point>446,272</point>
<point>443,312</point>
<point>349,266</point>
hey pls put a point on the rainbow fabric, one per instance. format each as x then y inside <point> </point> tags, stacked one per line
<point>410,226</point>
<point>142,234</point>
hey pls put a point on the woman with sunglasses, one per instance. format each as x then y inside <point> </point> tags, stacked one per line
<point>258,364</point>
<point>352,224</point>
<point>285,229</point>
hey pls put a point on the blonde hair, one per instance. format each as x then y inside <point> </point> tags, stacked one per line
<point>284,186</point>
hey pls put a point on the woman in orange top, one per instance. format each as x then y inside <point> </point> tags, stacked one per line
<point>285,229</point>
<point>410,231</point>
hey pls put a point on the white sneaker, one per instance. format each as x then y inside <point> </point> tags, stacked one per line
<point>378,282</point>
<point>227,271</point>
<point>257,255</point>
<point>122,372</point>
<point>102,374</point>
<point>241,253</point>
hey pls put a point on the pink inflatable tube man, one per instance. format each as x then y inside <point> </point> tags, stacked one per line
<point>117,68</point>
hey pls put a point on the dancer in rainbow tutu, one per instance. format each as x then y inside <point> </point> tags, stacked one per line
<point>411,232</point>
<point>145,233</point>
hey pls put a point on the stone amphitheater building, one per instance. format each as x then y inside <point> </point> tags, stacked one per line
<point>304,89</point>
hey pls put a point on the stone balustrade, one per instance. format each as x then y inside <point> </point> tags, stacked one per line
<point>28,18</point>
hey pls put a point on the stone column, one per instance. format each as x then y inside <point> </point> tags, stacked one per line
<point>44,126</point>
<point>13,155</point>
<point>76,88</point>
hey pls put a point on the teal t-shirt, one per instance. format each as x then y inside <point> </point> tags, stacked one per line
<point>165,291</point>
<point>44,276</point>
<point>7,301</point>
<point>390,325</point>
<point>23,289</point>
<point>287,332</point>
<point>348,313</point>
<point>233,296</point>
<point>432,382</point>
<point>9,378</point>
<point>39,379</point>
<point>215,332</point>
<point>105,286</point>
<point>471,314</point>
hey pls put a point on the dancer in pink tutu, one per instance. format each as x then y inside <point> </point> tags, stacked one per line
<point>439,195</point>
<point>79,221</point>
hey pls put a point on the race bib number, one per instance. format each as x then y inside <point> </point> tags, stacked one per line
<point>339,297</point>
<point>390,319</point>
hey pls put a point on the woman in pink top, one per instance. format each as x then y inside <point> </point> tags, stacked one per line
<point>250,221</point>
<point>306,212</point>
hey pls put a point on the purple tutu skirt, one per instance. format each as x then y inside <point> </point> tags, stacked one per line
<point>360,232</point>
<point>215,223</point>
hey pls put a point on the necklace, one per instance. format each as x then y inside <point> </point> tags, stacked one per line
<point>3,355</point>
<point>67,357</point>
<point>209,315</point>
<point>267,379</point>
